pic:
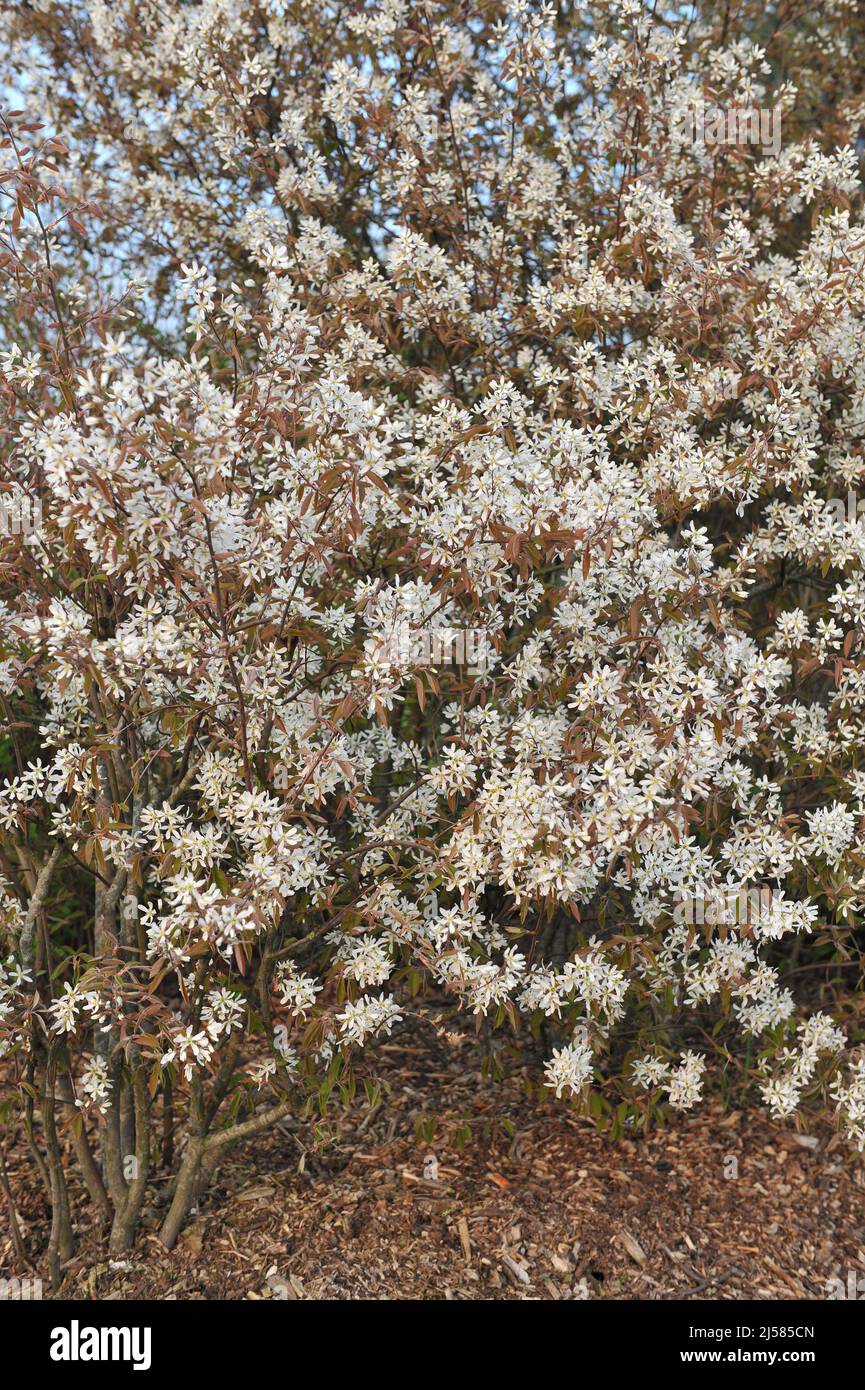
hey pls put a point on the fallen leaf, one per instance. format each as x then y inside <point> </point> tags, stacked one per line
<point>192,1239</point>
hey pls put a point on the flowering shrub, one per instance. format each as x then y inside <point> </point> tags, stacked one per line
<point>335,331</point>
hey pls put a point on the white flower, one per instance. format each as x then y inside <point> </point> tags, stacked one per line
<point>685,1084</point>
<point>95,1085</point>
<point>189,1048</point>
<point>367,1017</point>
<point>650,1072</point>
<point>569,1067</point>
<point>296,990</point>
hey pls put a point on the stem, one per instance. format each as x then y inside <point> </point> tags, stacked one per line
<point>42,885</point>
<point>14,1228</point>
<point>201,1158</point>
<point>126,1218</point>
<point>184,1193</point>
<point>61,1243</point>
<point>83,1152</point>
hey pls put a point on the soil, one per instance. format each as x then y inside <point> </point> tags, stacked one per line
<point>455,1187</point>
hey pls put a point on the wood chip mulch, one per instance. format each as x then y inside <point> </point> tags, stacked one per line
<point>459,1188</point>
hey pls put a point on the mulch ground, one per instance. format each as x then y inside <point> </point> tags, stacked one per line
<point>459,1188</point>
